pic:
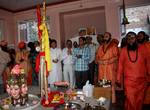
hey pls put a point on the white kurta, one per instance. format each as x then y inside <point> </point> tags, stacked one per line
<point>68,68</point>
<point>56,73</point>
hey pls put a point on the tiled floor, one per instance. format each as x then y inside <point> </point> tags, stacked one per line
<point>120,102</point>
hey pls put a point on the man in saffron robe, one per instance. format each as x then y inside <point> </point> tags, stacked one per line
<point>107,58</point>
<point>22,58</point>
<point>143,39</point>
<point>133,64</point>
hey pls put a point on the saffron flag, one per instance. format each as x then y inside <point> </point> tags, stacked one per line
<point>44,38</point>
<point>45,45</point>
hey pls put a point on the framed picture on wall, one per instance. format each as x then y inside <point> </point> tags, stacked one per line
<point>91,30</point>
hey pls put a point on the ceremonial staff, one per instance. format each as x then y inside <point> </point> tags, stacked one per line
<point>45,60</point>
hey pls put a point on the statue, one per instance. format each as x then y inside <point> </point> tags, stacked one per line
<point>17,87</point>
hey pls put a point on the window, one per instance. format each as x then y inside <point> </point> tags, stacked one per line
<point>28,30</point>
<point>1,29</point>
<point>139,19</point>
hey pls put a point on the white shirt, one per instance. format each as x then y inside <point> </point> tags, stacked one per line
<point>94,39</point>
<point>56,72</point>
<point>67,59</point>
<point>55,54</point>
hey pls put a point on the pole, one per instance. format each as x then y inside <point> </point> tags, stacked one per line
<point>44,78</point>
<point>41,75</point>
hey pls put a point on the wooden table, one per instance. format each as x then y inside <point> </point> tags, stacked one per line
<point>102,92</point>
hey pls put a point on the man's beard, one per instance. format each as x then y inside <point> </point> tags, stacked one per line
<point>140,41</point>
<point>107,41</point>
<point>132,47</point>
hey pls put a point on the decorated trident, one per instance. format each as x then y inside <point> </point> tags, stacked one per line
<point>45,60</point>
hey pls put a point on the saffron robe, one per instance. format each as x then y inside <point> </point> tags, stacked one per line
<point>22,58</point>
<point>147,44</point>
<point>107,59</point>
<point>135,74</point>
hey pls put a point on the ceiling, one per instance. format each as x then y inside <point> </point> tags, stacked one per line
<point>21,5</point>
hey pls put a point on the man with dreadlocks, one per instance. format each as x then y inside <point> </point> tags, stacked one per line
<point>133,64</point>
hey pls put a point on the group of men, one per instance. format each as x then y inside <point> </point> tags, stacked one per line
<point>76,62</point>
<point>131,62</point>
<point>134,65</point>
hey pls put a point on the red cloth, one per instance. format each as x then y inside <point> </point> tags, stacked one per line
<point>39,21</point>
<point>147,96</point>
<point>29,77</point>
<point>147,45</point>
<point>50,98</point>
<point>135,75</point>
<point>37,63</point>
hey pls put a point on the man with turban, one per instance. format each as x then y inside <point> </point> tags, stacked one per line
<point>22,58</point>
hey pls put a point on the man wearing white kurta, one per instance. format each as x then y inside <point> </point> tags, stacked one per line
<point>68,69</point>
<point>55,74</point>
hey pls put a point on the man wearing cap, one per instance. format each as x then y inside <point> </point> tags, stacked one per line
<point>22,58</point>
<point>81,33</point>
<point>133,64</point>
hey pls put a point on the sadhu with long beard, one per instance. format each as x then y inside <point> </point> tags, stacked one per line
<point>107,59</point>
<point>133,64</point>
